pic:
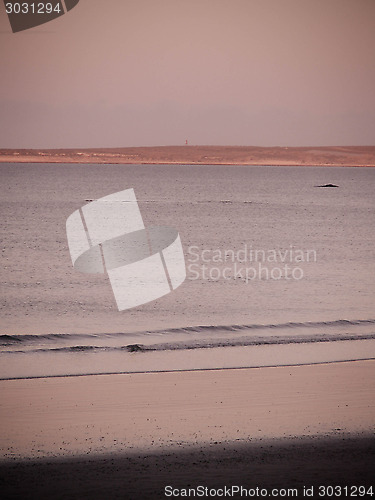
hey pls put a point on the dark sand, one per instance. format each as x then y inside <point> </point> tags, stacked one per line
<point>200,155</point>
<point>294,463</point>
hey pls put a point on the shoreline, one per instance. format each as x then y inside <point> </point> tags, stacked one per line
<point>47,365</point>
<point>184,164</point>
<point>348,156</point>
<point>186,370</point>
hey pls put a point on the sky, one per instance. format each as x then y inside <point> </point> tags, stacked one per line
<point>117,73</point>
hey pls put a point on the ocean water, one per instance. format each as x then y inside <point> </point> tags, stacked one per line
<point>279,271</point>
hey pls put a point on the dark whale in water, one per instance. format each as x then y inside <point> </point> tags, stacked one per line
<point>327,186</point>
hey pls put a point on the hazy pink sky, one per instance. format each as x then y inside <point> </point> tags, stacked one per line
<point>157,72</point>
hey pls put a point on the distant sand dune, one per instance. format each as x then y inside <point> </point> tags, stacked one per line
<point>351,156</point>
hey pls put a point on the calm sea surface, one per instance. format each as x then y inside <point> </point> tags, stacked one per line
<point>239,306</point>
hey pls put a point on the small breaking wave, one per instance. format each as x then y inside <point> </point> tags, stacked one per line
<point>7,340</point>
<point>203,344</point>
<point>28,339</point>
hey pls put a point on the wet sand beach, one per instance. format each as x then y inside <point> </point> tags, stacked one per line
<point>128,436</point>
